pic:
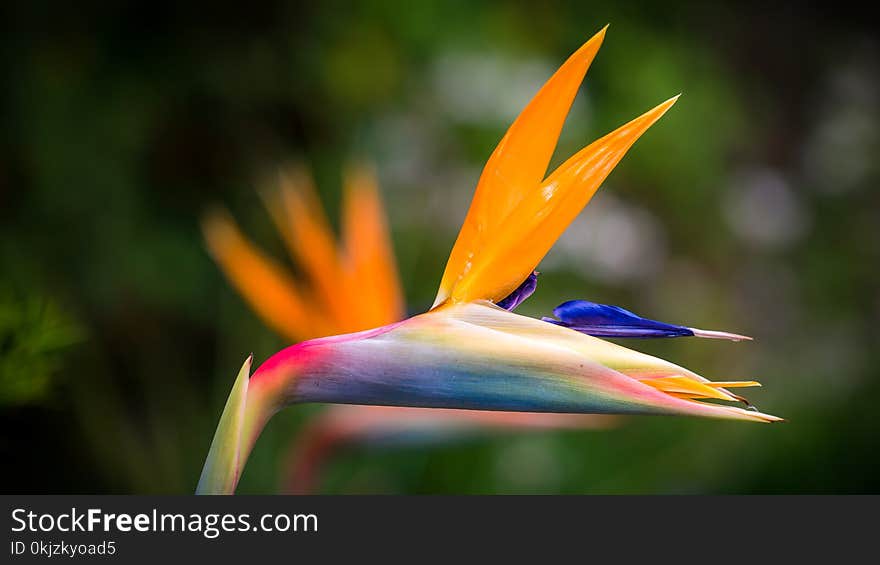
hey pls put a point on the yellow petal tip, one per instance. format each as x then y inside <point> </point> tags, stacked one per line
<point>670,102</point>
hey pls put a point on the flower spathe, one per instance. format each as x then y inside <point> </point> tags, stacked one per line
<point>466,352</point>
<point>479,356</point>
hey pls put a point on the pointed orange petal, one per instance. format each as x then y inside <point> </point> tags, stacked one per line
<point>518,163</point>
<point>687,387</point>
<point>264,284</point>
<point>375,285</point>
<point>733,384</point>
<point>300,218</point>
<point>538,221</point>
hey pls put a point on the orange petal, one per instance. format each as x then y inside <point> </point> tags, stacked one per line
<point>264,284</point>
<point>300,218</point>
<point>686,387</point>
<point>733,384</point>
<point>374,284</point>
<point>531,230</point>
<point>518,164</point>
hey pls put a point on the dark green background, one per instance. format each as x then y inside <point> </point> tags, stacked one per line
<point>752,206</point>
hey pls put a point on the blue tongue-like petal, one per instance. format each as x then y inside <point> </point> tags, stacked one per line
<point>602,320</point>
<point>522,292</point>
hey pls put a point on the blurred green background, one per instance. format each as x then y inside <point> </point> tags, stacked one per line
<point>751,207</point>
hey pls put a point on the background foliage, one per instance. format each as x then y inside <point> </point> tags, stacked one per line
<point>751,207</point>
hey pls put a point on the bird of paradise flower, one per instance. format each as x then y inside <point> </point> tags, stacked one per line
<point>345,287</point>
<point>469,351</point>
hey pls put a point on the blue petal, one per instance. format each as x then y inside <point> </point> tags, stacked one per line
<point>522,292</point>
<point>602,320</point>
